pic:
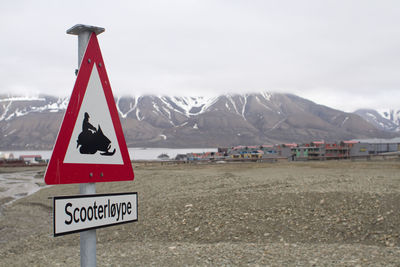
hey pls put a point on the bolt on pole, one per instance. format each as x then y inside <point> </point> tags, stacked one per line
<point>87,238</point>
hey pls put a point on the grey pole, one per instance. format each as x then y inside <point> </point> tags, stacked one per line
<point>87,238</point>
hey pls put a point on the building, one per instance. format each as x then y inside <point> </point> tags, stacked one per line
<point>6,156</point>
<point>31,159</point>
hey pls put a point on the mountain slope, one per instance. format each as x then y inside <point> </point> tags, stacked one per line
<point>164,121</point>
<point>387,121</point>
<point>392,115</point>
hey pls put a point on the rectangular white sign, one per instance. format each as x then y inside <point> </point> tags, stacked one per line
<point>84,212</point>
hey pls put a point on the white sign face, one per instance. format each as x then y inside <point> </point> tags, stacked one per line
<point>83,212</point>
<point>86,137</point>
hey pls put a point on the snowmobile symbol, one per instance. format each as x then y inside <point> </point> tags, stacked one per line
<point>92,140</point>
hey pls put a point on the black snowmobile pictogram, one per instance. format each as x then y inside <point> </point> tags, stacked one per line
<point>92,140</point>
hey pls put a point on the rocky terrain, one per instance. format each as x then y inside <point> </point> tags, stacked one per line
<point>163,121</point>
<point>332,213</point>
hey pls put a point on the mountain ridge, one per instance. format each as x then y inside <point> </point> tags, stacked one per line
<point>385,121</point>
<point>165,121</point>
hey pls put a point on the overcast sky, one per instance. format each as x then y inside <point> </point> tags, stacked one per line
<point>344,54</point>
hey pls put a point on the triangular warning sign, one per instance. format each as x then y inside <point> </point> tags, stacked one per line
<point>90,146</point>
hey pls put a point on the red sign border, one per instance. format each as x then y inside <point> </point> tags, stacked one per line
<point>59,172</point>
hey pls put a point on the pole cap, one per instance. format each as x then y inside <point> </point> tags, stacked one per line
<point>79,28</point>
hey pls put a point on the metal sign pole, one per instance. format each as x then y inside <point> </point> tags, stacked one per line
<point>87,238</point>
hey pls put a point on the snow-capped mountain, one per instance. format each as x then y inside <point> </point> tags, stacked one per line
<point>12,107</point>
<point>384,120</point>
<point>165,121</point>
<point>392,115</point>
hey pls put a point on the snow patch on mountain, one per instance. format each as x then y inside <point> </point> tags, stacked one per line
<point>6,109</point>
<point>191,105</point>
<point>267,95</point>
<point>17,106</point>
<point>345,119</point>
<point>259,101</point>
<point>138,115</point>
<point>233,104</point>
<point>391,114</point>
<point>132,107</point>
<point>382,119</point>
<point>244,102</point>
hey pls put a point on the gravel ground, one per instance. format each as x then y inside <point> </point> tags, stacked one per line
<point>258,214</point>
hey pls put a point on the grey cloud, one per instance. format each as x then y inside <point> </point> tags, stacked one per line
<point>323,50</point>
